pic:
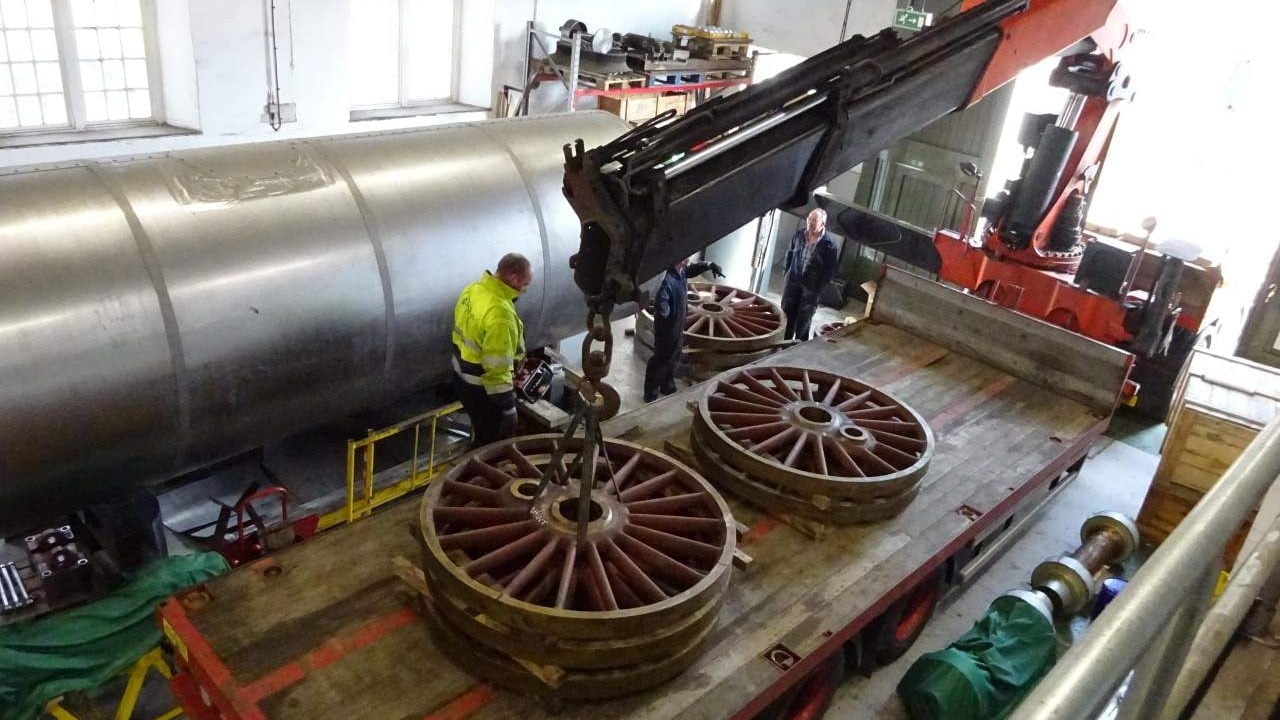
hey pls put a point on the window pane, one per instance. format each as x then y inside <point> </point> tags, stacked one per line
<point>8,113</point>
<point>104,12</point>
<point>82,13</point>
<point>135,73</point>
<point>44,46</point>
<point>49,77</point>
<point>117,105</point>
<point>113,74</point>
<point>139,104</point>
<point>40,13</point>
<point>375,52</point>
<point>130,12</point>
<point>14,12</point>
<point>91,75</point>
<point>132,43</point>
<point>55,109</point>
<point>95,106</point>
<point>6,82</point>
<point>87,44</point>
<point>4,48</point>
<point>24,78</point>
<point>109,42</point>
<point>29,111</point>
<point>19,44</point>
<point>428,62</point>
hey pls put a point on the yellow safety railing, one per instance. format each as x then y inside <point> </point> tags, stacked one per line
<point>360,461</point>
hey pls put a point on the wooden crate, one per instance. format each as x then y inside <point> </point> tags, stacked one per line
<point>634,108</point>
<point>673,101</point>
<point>1219,405</point>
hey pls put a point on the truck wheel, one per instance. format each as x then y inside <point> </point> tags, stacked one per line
<point>810,699</point>
<point>896,630</point>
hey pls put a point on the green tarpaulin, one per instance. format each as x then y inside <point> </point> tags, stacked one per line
<point>984,674</point>
<point>83,647</point>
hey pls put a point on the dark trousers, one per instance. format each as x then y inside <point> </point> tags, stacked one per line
<point>490,419</point>
<point>799,306</point>
<point>660,372</point>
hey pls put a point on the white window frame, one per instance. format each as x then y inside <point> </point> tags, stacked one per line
<point>404,106</point>
<point>78,129</point>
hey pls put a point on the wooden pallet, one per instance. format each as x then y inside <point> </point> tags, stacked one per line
<point>327,630</point>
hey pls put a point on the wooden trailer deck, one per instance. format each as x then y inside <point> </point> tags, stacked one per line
<point>327,630</point>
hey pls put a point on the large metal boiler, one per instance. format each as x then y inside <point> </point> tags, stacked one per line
<point>161,313</point>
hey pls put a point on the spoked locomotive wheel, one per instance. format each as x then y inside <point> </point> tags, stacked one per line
<point>814,442</point>
<point>636,598</point>
<point>728,319</point>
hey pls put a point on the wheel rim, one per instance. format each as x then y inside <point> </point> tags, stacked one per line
<point>658,548</point>
<point>815,433</point>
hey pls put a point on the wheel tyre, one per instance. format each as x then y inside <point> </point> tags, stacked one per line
<point>896,630</point>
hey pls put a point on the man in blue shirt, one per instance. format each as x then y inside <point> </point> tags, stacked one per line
<point>669,307</point>
<point>810,265</point>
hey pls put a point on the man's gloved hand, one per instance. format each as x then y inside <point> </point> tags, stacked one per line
<point>716,270</point>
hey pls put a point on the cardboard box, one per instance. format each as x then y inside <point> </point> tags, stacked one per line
<point>634,108</point>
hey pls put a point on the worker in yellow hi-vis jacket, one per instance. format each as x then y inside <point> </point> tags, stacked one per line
<point>488,343</point>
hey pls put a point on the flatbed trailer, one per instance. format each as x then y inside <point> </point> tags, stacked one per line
<point>326,629</point>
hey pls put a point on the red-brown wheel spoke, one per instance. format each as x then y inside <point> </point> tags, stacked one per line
<point>697,324</point>
<point>473,493</point>
<point>819,455</point>
<point>649,487</point>
<point>831,392</point>
<point>534,568</point>
<point>487,537</point>
<point>599,579</point>
<point>894,426</point>
<point>749,396</point>
<point>667,504</point>
<point>901,442</point>
<point>843,458</point>
<point>794,453</point>
<point>473,516</point>
<point>872,460</point>
<point>504,554</point>
<point>627,598</point>
<point>722,403</point>
<point>678,523</point>
<point>763,390</point>
<point>806,387</point>
<point>758,432</point>
<point>854,401</point>
<point>526,467</point>
<point>776,441</point>
<point>541,590</point>
<point>568,578</point>
<point>874,412</point>
<point>491,473</point>
<point>753,325</point>
<point>782,385</point>
<point>738,419</point>
<point>659,563</point>
<point>729,296</point>
<point>623,473</point>
<point>673,544</point>
<point>637,578</point>
<point>739,330</point>
<point>893,455</point>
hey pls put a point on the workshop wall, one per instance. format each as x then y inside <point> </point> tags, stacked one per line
<point>807,27</point>
<point>214,59</point>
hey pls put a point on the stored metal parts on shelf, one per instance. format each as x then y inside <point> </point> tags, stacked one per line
<point>13,591</point>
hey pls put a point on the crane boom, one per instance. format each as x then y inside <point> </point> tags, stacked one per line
<point>672,186</point>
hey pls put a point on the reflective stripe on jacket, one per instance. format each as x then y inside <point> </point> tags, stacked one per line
<point>488,335</point>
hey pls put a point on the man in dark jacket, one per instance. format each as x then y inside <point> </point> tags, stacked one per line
<point>810,265</point>
<point>669,306</point>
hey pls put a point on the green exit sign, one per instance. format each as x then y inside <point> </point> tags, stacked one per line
<point>908,19</point>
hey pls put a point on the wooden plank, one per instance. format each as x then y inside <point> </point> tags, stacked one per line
<point>1072,365</point>
<point>291,636</point>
